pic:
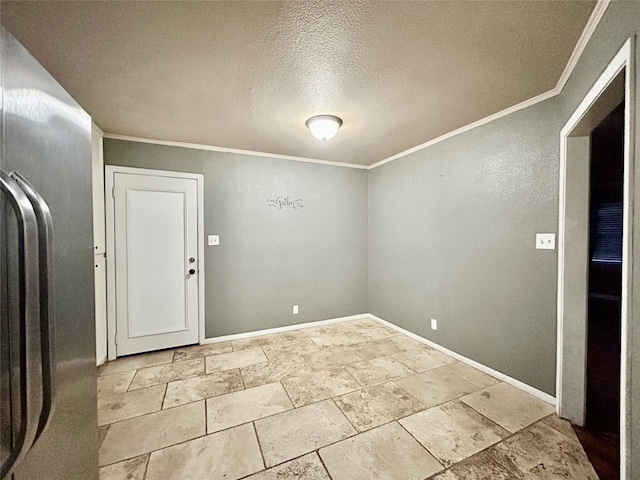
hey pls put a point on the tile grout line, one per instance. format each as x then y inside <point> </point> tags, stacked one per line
<point>425,448</point>
<point>255,432</point>
<point>206,417</point>
<point>199,360</point>
<point>324,465</point>
<point>410,396</point>
<point>493,422</point>
<point>286,393</point>
<point>136,415</point>
<point>132,379</point>
<point>481,387</point>
<point>146,466</point>
<point>352,378</point>
<point>346,418</point>
<point>244,385</point>
<point>459,399</point>
<point>412,369</point>
<point>108,426</point>
<point>205,397</point>
<point>329,397</point>
<point>164,396</point>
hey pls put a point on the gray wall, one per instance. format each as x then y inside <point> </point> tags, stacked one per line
<point>452,237</point>
<point>451,232</point>
<point>269,259</point>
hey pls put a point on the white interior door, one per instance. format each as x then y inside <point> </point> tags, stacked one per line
<point>156,262</point>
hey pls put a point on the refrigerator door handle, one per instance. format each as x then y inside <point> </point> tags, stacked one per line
<point>30,372</point>
<point>47,317</point>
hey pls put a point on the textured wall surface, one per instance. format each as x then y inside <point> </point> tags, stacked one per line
<point>451,232</point>
<point>270,259</point>
<point>451,237</point>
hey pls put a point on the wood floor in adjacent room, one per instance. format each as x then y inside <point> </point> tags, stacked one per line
<point>351,400</point>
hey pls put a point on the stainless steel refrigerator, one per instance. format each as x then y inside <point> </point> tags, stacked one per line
<point>48,427</point>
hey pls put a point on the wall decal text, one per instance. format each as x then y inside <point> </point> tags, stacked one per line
<point>281,202</point>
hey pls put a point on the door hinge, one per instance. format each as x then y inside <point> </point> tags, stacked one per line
<point>113,192</point>
<point>115,339</point>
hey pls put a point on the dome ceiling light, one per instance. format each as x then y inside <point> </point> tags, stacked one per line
<point>324,127</point>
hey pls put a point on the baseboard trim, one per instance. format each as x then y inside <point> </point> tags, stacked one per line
<point>483,368</point>
<point>288,328</point>
<point>101,361</point>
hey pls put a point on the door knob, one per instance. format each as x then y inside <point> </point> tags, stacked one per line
<point>192,272</point>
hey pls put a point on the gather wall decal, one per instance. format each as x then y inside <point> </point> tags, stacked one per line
<point>282,201</point>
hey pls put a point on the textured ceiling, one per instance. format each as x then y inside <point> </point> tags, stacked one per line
<point>247,75</point>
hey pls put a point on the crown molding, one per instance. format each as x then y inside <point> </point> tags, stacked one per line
<point>587,32</point>
<point>466,128</point>
<point>213,148</point>
<point>589,28</point>
<point>97,128</point>
<point>597,14</point>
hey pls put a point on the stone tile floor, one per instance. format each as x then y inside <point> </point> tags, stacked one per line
<point>351,400</point>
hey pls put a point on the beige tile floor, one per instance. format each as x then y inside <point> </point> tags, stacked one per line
<point>351,400</point>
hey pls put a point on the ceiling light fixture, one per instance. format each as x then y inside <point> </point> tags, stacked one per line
<point>324,127</point>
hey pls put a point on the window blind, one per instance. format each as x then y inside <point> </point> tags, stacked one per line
<point>608,233</point>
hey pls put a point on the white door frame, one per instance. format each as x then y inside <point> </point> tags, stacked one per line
<point>110,172</point>
<point>99,240</point>
<point>624,59</point>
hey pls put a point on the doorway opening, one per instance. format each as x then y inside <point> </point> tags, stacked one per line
<point>594,267</point>
<point>602,422</point>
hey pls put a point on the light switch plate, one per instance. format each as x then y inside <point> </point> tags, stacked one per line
<point>546,241</point>
<point>213,240</point>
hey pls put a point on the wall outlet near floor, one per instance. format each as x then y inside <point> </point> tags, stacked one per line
<point>434,324</point>
<point>213,240</point>
<point>295,309</point>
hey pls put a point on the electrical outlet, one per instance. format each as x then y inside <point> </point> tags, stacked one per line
<point>295,309</point>
<point>213,240</point>
<point>434,324</point>
<point>546,241</point>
